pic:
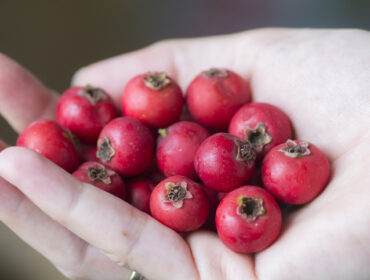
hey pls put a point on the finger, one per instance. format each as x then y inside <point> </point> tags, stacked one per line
<point>23,98</point>
<point>181,59</point>
<point>128,236</point>
<point>70,254</point>
<point>220,262</point>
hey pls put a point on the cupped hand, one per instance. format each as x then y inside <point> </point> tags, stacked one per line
<point>320,78</point>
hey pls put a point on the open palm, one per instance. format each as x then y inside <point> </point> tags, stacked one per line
<point>320,78</point>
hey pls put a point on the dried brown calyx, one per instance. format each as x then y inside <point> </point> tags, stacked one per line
<point>250,208</point>
<point>215,72</point>
<point>157,80</point>
<point>105,150</point>
<point>177,193</point>
<point>295,149</point>
<point>99,173</point>
<point>245,152</point>
<point>257,136</point>
<point>93,94</point>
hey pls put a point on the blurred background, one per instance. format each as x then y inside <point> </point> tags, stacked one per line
<point>55,38</point>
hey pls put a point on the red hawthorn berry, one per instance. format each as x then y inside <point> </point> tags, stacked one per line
<point>179,203</point>
<point>224,162</point>
<point>264,125</point>
<point>215,95</point>
<point>101,177</point>
<point>176,147</point>
<point>139,190</point>
<point>85,111</point>
<point>248,219</point>
<point>52,141</point>
<point>153,98</point>
<point>295,172</point>
<point>126,146</point>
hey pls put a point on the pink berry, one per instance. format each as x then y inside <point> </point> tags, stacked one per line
<point>101,177</point>
<point>85,111</point>
<point>126,146</point>
<point>179,203</point>
<point>215,95</point>
<point>176,147</point>
<point>52,141</point>
<point>153,98</point>
<point>264,125</point>
<point>248,220</point>
<point>224,162</point>
<point>295,172</point>
<point>139,193</point>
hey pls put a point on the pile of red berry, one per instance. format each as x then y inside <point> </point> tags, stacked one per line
<point>195,173</point>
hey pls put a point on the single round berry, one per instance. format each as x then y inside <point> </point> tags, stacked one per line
<point>153,98</point>
<point>126,146</point>
<point>295,172</point>
<point>179,203</point>
<point>264,125</point>
<point>248,219</point>
<point>176,147</point>
<point>85,111</point>
<point>224,162</point>
<point>52,141</point>
<point>139,190</point>
<point>101,177</point>
<point>215,95</point>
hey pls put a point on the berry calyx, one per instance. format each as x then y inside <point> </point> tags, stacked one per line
<point>105,150</point>
<point>257,136</point>
<point>93,94</point>
<point>295,149</point>
<point>215,72</point>
<point>250,208</point>
<point>156,80</point>
<point>245,152</point>
<point>177,193</point>
<point>99,173</point>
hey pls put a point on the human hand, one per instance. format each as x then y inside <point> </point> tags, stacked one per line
<point>320,78</point>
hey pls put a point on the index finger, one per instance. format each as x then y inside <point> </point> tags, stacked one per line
<point>23,98</point>
<point>126,235</point>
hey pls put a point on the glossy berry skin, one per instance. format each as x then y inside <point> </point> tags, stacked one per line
<point>126,146</point>
<point>248,219</point>
<point>295,180</point>
<point>214,96</point>
<point>263,124</point>
<point>219,165</point>
<point>96,174</point>
<point>139,190</point>
<point>52,141</point>
<point>85,111</point>
<point>153,98</point>
<point>176,147</point>
<point>179,203</point>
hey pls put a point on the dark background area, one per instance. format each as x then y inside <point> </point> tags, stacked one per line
<point>55,38</point>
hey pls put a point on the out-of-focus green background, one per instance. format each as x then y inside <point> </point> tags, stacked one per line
<point>55,38</point>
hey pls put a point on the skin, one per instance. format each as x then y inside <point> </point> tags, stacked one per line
<point>320,78</point>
